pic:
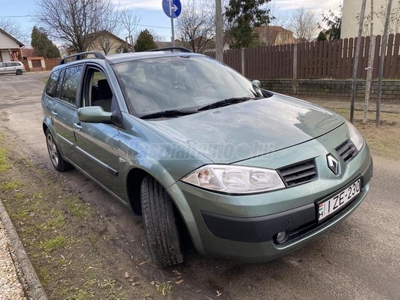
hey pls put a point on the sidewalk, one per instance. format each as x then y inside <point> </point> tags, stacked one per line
<point>18,279</point>
<point>10,286</point>
<point>390,107</point>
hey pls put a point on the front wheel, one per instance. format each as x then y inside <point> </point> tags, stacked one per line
<point>18,72</point>
<point>160,224</point>
<point>56,159</point>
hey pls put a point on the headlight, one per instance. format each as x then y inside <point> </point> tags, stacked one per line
<point>235,179</point>
<point>355,136</point>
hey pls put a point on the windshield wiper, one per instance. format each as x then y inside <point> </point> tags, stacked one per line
<point>225,102</point>
<point>168,114</point>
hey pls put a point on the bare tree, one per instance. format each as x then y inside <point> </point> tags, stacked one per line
<point>380,14</point>
<point>304,24</point>
<point>109,27</point>
<point>13,28</point>
<point>394,17</point>
<point>73,21</point>
<point>156,37</point>
<point>382,61</point>
<point>195,26</point>
<point>102,40</point>
<point>130,21</point>
<point>371,60</point>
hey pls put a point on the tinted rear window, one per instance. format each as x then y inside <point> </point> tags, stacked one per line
<point>71,83</point>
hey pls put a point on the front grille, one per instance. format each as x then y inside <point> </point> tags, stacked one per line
<point>347,151</point>
<point>299,173</point>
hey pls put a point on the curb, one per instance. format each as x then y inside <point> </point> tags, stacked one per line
<point>35,287</point>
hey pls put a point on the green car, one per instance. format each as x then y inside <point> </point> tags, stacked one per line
<point>201,152</point>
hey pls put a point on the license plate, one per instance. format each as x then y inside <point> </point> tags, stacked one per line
<point>337,202</point>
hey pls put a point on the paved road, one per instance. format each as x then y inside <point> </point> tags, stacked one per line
<point>359,259</point>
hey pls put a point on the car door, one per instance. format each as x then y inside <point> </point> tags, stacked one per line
<point>64,110</point>
<point>2,67</point>
<point>9,67</point>
<point>98,144</point>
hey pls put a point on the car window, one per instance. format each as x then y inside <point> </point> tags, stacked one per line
<point>52,83</point>
<point>172,83</point>
<point>70,84</point>
<point>59,84</point>
<point>97,90</point>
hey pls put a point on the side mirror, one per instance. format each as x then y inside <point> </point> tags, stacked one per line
<point>94,114</point>
<point>256,83</point>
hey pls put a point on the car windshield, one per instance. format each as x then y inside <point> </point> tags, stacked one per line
<point>155,85</point>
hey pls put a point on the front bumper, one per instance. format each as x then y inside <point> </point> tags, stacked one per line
<point>297,222</point>
<point>244,227</point>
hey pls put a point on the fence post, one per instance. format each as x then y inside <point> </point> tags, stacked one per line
<point>242,60</point>
<point>295,76</point>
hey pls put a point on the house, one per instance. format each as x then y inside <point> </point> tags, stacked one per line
<point>274,35</point>
<point>104,42</point>
<point>10,47</point>
<point>27,52</point>
<point>163,44</point>
<point>351,11</point>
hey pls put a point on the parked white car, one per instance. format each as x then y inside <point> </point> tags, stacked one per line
<point>15,67</point>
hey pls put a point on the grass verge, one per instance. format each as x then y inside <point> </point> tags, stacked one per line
<point>383,141</point>
<point>65,239</point>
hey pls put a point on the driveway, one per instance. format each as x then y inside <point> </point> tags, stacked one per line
<point>359,259</point>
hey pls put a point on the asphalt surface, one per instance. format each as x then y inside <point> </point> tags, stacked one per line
<point>359,259</point>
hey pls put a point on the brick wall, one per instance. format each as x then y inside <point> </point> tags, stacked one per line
<point>332,88</point>
<point>50,64</point>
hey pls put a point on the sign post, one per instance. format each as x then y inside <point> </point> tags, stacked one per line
<point>172,8</point>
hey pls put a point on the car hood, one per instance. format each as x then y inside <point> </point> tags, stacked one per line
<point>241,131</point>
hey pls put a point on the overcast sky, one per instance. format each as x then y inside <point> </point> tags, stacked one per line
<point>152,15</point>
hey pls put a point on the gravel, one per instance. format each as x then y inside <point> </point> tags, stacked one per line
<point>10,286</point>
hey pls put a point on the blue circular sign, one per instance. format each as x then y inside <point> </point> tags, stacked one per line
<point>172,8</point>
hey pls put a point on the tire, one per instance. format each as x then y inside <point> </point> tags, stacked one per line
<point>56,159</point>
<point>18,72</point>
<point>160,224</point>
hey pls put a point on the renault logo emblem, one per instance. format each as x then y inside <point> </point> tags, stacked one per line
<point>333,164</point>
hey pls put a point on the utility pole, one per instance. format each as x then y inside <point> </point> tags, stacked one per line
<point>218,31</point>
<point>356,59</point>
<point>382,62</point>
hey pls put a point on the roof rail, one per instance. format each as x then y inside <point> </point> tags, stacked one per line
<point>78,56</point>
<point>182,49</point>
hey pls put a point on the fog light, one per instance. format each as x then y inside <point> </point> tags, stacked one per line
<point>281,237</point>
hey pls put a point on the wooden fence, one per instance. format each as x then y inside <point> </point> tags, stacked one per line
<point>314,60</point>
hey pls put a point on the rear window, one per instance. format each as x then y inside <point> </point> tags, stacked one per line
<point>70,86</point>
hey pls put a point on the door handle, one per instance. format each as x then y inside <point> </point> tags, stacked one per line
<point>77,126</point>
<point>54,113</point>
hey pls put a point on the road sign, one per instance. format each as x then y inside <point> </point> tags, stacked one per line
<point>172,8</point>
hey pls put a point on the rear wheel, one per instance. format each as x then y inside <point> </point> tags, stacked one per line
<point>18,72</point>
<point>160,224</point>
<point>56,159</point>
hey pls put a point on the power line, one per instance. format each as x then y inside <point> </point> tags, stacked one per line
<point>163,27</point>
<point>140,25</point>
<point>26,16</point>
